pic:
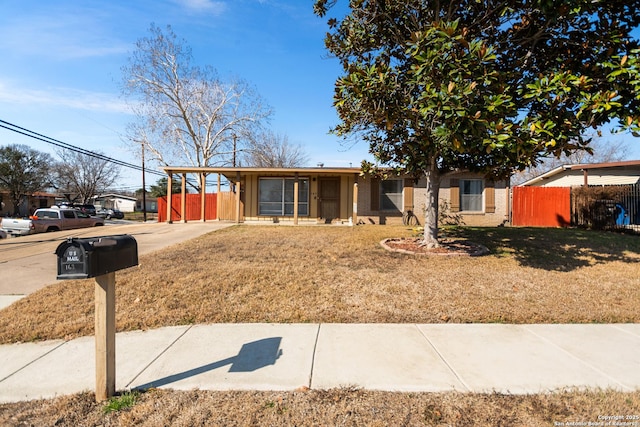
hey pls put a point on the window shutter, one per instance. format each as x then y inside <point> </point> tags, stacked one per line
<point>454,194</point>
<point>408,194</point>
<point>375,194</point>
<point>490,197</point>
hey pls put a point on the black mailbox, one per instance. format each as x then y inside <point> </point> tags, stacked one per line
<point>95,256</point>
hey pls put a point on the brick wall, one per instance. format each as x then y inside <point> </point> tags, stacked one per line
<point>499,216</point>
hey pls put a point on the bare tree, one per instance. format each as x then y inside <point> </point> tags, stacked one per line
<point>23,171</point>
<point>271,150</point>
<point>80,176</point>
<point>186,114</point>
<point>602,151</point>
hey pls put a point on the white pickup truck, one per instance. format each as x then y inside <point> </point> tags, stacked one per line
<point>52,219</point>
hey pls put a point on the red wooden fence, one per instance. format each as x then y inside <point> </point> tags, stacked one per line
<point>541,206</point>
<point>192,207</point>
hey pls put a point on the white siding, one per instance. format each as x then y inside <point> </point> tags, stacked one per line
<point>570,178</point>
<point>124,205</point>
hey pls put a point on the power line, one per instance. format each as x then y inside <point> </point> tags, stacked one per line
<point>31,134</point>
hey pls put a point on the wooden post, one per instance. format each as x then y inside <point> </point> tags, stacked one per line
<point>183,199</point>
<point>105,329</point>
<point>169,196</point>
<point>203,196</point>
<point>238,197</point>
<point>355,201</point>
<point>296,186</point>
<point>218,199</point>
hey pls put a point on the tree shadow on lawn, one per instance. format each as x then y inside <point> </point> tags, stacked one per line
<point>554,249</point>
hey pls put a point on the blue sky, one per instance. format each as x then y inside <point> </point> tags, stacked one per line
<point>60,70</point>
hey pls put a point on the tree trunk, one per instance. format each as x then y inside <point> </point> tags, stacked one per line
<point>431,209</point>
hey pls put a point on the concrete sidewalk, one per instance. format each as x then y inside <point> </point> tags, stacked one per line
<point>394,357</point>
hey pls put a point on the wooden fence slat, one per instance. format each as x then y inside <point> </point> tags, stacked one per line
<point>541,206</point>
<point>227,206</point>
<point>193,201</point>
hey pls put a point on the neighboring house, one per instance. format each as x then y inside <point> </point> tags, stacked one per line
<point>614,173</point>
<point>151,204</point>
<point>28,204</point>
<point>116,201</point>
<point>342,195</point>
<point>598,195</point>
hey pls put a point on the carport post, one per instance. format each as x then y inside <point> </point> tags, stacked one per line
<point>203,196</point>
<point>169,195</point>
<point>105,325</point>
<point>355,201</point>
<point>296,186</point>
<point>238,197</point>
<point>218,198</point>
<point>183,199</point>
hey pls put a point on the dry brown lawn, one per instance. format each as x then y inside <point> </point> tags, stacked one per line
<point>336,274</point>
<point>340,407</point>
<point>340,274</point>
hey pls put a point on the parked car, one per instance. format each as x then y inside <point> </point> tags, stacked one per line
<point>110,213</point>
<point>88,209</point>
<point>53,219</point>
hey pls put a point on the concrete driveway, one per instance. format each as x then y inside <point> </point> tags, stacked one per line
<point>28,263</point>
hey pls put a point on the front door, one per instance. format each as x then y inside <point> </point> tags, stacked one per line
<point>329,199</point>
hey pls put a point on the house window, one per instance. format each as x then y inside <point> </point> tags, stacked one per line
<point>471,195</point>
<point>391,195</point>
<point>275,196</point>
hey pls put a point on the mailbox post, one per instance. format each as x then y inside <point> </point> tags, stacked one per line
<point>100,257</point>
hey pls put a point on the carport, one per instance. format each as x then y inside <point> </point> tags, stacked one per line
<point>311,195</point>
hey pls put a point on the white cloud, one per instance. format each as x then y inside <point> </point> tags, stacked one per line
<point>62,97</point>
<point>211,6</point>
<point>61,33</point>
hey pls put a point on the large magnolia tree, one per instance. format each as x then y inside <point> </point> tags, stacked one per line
<point>186,114</point>
<point>490,86</point>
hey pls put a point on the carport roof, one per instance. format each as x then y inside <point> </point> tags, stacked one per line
<point>231,171</point>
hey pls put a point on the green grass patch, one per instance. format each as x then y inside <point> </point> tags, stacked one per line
<point>126,400</point>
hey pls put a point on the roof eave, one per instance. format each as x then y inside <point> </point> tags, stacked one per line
<point>544,176</point>
<point>606,165</point>
<point>244,170</point>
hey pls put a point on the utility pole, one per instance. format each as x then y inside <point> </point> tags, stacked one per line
<point>234,150</point>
